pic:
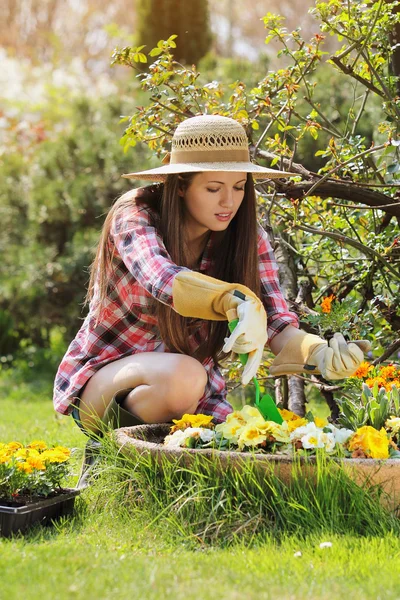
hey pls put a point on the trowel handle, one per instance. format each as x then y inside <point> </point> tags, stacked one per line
<point>232,322</point>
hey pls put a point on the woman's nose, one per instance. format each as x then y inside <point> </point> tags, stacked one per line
<point>227,199</point>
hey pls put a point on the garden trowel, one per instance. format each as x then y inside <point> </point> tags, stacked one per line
<point>266,404</point>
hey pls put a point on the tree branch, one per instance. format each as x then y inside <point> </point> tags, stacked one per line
<point>347,240</point>
<point>343,191</point>
<point>388,352</point>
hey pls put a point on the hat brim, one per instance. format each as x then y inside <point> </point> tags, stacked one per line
<point>160,173</point>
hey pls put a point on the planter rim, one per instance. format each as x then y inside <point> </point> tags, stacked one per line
<point>132,436</point>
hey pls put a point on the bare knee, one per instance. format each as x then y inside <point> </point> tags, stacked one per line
<point>185,386</point>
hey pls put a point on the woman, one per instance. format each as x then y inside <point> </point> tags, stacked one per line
<point>173,260</point>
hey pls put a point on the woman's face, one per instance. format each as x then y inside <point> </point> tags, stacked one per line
<point>212,200</point>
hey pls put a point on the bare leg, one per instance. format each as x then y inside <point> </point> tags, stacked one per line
<point>165,387</point>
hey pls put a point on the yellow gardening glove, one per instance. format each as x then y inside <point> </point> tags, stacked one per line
<point>204,297</point>
<point>306,352</point>
<point>249,336</point>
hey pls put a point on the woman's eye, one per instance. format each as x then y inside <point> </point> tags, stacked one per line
<point>212,191</point>
<point>239,189</point>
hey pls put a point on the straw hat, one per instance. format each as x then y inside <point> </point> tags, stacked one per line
<point>208,143</point>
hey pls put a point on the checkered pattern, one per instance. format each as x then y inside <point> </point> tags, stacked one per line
<point>142,269</point>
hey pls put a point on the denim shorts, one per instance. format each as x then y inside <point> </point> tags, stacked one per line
<point>76,417</point>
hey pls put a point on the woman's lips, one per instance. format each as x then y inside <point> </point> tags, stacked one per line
<point>223,216</point>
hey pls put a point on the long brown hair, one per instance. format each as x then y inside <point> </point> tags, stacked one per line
<point>234,257</point>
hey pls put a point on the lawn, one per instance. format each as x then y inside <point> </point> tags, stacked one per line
<point>112,550</point>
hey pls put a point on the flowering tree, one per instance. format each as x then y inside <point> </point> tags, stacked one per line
<point>335,226</point>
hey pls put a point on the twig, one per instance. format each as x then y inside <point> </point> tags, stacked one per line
<point>268,127</point>
<point>388,352</point>
<point>388,95</point>
<point>331,125</point>
<point>360,112</point>
<point>347,240</point>
<point>349,71</point>
<point>349,160</point>
<point>360,207</point>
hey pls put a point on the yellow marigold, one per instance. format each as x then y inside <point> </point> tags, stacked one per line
<point>372,442</point>
<point>320,422</point>
<point>38,445</point>
<point>24,466</point>
<point>362,370</point>
<point>191,421</point>
<point>12,446</point>
<point>4,457</point>
<point>36,463</point>
<point>326,303</point>
<point>379,380</point>
<point>288,415</point>
<point>388,372</point>
<point>52,455</point>
<point>292,425</point>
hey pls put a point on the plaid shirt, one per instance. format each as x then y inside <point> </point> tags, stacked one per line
<point>142,270</point>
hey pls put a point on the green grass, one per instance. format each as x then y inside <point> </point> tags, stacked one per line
<point>132,538</point>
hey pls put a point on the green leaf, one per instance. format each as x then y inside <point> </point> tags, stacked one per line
<point>155,52</point>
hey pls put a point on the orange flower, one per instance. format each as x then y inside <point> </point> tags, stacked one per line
<point>362,370</point>
<point>388,372</point>
<point>326,303</point>
<point>379,380</point>
<point>390,384</point>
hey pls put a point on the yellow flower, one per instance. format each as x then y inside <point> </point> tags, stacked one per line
<point>372,442</point>
<point>21,453</point>
<point>320,422</point>
<point>326,303</point>
<point>280,431</point>
<point>36,463</point>
<point>362,370</point>
<point>249,412</point>
<point>393,423</point>
<point>292,425</point>
<point>38,445</point>
<point>24,466</point>
<point>4,457</point>
<point>12,446</point>
<point>251,436</point>
<point>192,421</point>
<point>230,430</point>
<point>288,415</point>
<point>54,455</point>
<point>236,416</point>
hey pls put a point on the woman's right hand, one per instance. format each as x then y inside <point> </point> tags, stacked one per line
<point>249,336</point>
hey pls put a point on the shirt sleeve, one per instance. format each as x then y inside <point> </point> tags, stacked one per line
<point>143,252</point>
<point>278,313</point>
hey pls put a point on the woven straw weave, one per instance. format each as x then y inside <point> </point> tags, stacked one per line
<point>215,134</point>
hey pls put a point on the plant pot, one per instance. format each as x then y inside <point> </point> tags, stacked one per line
<point>15,517</point>
<point>148,440</point>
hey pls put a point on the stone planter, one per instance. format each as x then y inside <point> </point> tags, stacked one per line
<point>147,440</point>
<point>15,517</point>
